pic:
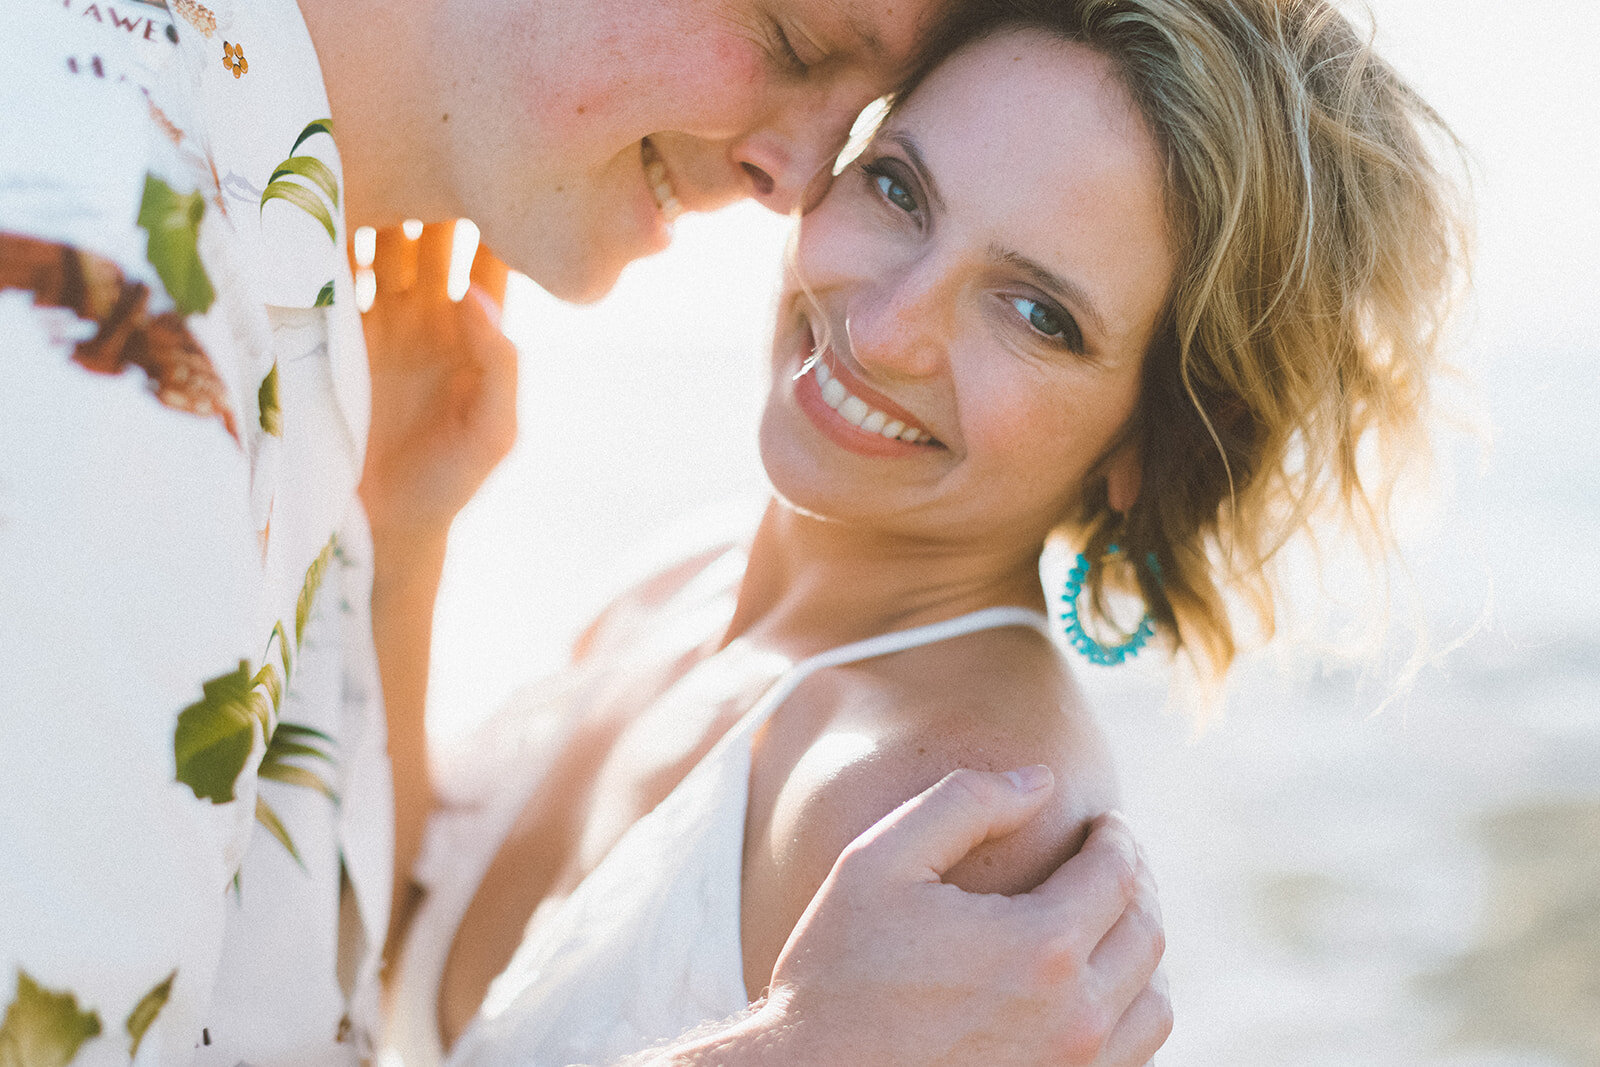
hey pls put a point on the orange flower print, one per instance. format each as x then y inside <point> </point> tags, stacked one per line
<point>197,15</point>
<point>233,58</point>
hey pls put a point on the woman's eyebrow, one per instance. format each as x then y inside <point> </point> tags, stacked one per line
<point>909,146</point>
<point>1069,291</point>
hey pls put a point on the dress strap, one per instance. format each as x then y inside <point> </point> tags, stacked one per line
<point>944,629</point>
<point>894,641</point>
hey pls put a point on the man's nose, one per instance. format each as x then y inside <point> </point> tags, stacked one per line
<point>789,161</point>
<point>780,171</point>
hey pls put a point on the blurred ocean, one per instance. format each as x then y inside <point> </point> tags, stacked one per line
<point>1415,886</point>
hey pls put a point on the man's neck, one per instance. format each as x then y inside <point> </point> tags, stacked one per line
<point>384,110</point>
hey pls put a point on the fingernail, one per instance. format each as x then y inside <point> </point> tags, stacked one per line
<point>1029,779</point>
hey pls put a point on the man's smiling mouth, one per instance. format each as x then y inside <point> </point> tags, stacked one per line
<point>655,175</point>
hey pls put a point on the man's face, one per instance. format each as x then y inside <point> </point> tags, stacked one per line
<point>573,130</point>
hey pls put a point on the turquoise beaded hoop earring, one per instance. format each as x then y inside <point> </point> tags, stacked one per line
<point>1092,650</point>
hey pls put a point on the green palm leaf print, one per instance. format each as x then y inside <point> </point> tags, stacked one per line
<point>43,1028</point>
<point>172,222</point>
<point>216,733</point>
<point>144,1013</point>
<point>306,181</point>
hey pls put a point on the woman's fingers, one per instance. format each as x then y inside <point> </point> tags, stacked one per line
<point>403,264</point>
<point>395,261</point>
<point>489,274</point>
<point>434,249</point>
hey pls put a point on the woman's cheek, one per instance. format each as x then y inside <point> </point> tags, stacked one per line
<point>837,244</point>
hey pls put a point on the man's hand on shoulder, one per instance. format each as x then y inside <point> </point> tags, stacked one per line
<point>890,965</point>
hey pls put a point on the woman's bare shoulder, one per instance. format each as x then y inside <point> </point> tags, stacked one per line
<point>993,700</point>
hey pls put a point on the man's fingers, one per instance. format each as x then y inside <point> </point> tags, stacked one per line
<point>931,832</point>
<point>394,261</point>
<point>1143,1028</point>
<point>1130,953</point>
<point>1091,890</point>
<point>489,274</point>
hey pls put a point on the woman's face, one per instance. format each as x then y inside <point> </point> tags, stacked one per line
<point>963,325</point>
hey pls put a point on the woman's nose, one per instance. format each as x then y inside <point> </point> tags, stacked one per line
<point>898,325</point>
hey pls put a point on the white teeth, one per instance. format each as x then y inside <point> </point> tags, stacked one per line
<point>853,409</point>
<point>655,172</point>
<point>858,412</point>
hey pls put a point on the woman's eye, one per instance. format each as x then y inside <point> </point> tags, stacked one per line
<point>1039,316</point>
<point>1049,321</point>
<point>895,193</point>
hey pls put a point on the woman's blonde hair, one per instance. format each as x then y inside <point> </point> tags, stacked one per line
<point>1319,244</point>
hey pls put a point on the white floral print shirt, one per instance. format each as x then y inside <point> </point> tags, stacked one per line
<point>195,824</point>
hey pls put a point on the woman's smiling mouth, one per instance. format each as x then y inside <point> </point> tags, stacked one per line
<point>860,414</point>
<point>853,415</point>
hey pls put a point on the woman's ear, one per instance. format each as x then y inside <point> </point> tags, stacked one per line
<point>1122,479</point>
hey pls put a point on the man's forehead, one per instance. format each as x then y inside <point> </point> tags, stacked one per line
<point>880,31</point>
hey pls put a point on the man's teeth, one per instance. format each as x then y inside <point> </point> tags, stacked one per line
<point>860,414</point>
<point>655,173</point>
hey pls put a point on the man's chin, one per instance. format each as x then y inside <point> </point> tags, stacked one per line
<point>571,278</point>
<point>577,268</point>
<point>576,264</point>
<point>580,289</point>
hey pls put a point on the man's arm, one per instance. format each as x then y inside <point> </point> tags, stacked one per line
<point>129,730</point>
<point>891,966</point>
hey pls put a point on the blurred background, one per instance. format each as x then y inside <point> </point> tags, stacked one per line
<point>1357,866</point>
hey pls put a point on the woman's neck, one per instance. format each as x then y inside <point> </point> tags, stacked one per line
<point>813,584</point>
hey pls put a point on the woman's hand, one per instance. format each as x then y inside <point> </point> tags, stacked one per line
<point>444,382</point>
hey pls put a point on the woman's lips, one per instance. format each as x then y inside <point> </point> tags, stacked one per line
<point>855,417</point>
<point>862,415</point>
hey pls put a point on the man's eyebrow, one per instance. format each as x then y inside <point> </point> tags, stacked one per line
<point>868,36</point>
<point>865,35</point>
<point>1050,281</point>
<point>914,154</point>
